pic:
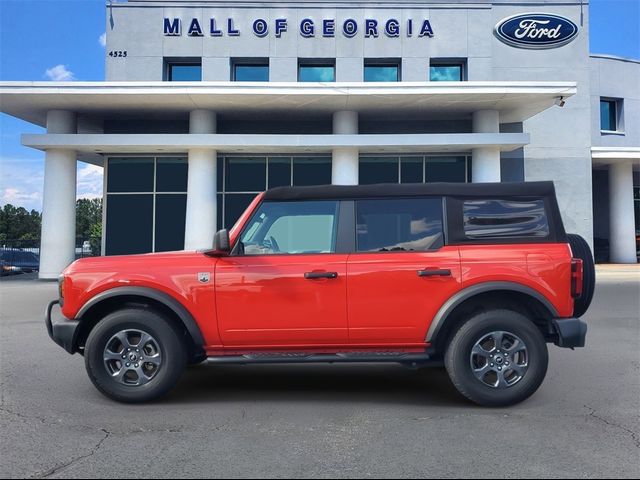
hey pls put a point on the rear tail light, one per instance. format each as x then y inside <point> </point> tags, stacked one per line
<point>576,277</point>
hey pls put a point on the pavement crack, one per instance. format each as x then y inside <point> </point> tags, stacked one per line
<point>59,468</point>
<point>634,435</point>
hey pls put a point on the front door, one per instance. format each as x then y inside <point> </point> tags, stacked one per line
<point>402,272</point>
<point>285,286</point>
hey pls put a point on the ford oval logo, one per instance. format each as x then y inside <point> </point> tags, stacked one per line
<point>536,30</point>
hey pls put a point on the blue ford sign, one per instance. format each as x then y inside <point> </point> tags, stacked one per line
<point>536,30</point>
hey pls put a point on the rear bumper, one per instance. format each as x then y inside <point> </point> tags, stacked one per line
<point>63,333</point>
<point>571,332</point>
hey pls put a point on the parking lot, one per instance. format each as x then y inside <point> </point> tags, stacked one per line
<point>322,421</point>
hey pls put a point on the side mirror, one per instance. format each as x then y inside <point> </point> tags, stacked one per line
<point>221,244</point>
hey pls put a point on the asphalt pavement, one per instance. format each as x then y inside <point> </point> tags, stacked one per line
<point>322,421</point>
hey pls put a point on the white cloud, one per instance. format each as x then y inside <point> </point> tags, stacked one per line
<point>59,73</point>
<point>102,40</point>
<point>89,181</point>
<point>16,197</point>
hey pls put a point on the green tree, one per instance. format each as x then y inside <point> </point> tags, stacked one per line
<point>17,223</point>
<point>88,218</point>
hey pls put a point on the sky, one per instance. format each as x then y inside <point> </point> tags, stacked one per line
<point>63,40</point>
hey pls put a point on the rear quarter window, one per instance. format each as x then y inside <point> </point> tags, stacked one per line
<point>505,218</point>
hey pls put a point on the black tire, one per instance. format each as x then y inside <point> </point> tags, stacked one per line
<point>169,340</point>
<point>580,249</point>
<point>458,358</point>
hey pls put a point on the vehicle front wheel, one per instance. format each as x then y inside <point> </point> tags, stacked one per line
<point>497,358</point>
<point>135,355</point>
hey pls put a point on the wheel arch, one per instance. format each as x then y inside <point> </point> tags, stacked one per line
<point>488,295</point>
<point>113,299</point>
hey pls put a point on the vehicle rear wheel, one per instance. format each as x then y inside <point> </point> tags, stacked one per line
<point>580,249</point>
<point>135,355</point>
<point>497,358</point>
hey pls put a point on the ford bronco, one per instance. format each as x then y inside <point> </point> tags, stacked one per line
<point>476,277</point>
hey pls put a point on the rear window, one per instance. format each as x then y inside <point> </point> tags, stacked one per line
<point>389,225</point>
<point>502,218</point>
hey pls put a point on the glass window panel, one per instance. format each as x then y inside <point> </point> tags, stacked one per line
<point>317,73</point>
<point>129,224</point>
<point>183,72</point>
<point>378,170</point>
<point>311,171</point>
<point>234,205</point>
<point>445,169</point>
<point>445,73</point>
<point>245,174</point>
<point>279,172</point>
<point>381,73</point>
<point>171,175</point>
<point>608,115</point>
<point>391,225</point>
<point>130,175</point>
<point>411,170</point>
<point>292,227</point>
<point>219,210</point>
<point>220,173</point>
<point>170,222</point>
<point>497,218</point>
<point>251,73</point>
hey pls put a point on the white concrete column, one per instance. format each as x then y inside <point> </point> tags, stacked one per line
<point>201,221</point>
<point>344,164</point>
<point>622,233</point>
<point>58,232</point>
<point>485,163</point>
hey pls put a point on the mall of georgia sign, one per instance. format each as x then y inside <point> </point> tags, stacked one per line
<point>536,30</point>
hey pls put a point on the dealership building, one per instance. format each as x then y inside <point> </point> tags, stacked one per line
<point>207,103</point>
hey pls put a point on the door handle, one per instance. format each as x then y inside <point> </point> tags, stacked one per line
<point>434,272</point>
<point>318,275</point>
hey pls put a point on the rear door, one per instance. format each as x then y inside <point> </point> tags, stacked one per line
<point>401,273</point>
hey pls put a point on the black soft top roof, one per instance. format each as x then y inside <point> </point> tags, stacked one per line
<point>509,189</point>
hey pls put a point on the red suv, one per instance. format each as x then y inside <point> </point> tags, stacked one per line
<point>475,277</point>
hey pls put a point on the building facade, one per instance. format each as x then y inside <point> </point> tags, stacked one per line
<point>206,103</point>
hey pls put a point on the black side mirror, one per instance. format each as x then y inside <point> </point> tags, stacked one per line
<point>221,244</point>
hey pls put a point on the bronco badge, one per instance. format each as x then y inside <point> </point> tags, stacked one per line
<point>203,277</point>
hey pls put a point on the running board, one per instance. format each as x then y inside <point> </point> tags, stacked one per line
<point>410,359</point>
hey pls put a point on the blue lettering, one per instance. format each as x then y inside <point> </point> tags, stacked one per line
<point>350,28</point>
<point>426,30</point>
<point>409,28</point>
<point>281,26</point>
<point>328,28</point>
<point>213,30</point>
<point>172,27</point>
<point>260,27</point>
<point>392,28</point>
<point>307,29</point>
<point>231,31</point>
<point>194,29</point>
<point>370,28</point>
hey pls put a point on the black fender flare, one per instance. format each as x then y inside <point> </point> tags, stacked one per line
<point>167,300</point>
<point>440,318</point>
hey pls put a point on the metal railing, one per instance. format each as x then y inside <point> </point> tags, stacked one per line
<point>19,251</point>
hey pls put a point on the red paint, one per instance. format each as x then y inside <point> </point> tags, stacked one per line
<point>377,301</point>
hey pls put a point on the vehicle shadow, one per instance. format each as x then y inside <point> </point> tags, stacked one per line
<point>368,383</point>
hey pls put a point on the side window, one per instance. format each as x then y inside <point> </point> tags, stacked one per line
<point>502,218</point>
<point>388,225</point>
<point>291,228</point>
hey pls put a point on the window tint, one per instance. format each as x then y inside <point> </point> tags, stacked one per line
<point>446,72</point>
<point>446,169</point>
<point>608,115</point>
<point>291,227</point>
<point>314,71</point>
<point>170,220</point>
<point>251,72</point>
<point>171,175</point>
<point>381,73</point>
<point>130,175</point>
<point>399,225</point>
<point>378,170</point>
<point>129,224</point>
<point>184,72</point>
<point>497,218</point>
<point>311,171</point>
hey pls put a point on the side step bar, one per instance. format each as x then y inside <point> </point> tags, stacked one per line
<point>409,359</point>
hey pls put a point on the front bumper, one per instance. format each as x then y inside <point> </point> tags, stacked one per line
<point>65,333</point>
<point>571,332</point>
